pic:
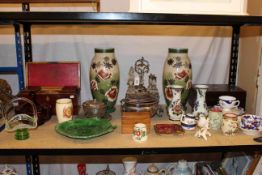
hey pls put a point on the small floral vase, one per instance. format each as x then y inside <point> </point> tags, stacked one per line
<point>175,108</point>
<point>177,71</point>
<point>104,77</point>
<point>200,106</point>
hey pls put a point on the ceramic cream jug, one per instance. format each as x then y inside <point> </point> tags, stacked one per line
<point>188,122</point>
<point>180,168</point>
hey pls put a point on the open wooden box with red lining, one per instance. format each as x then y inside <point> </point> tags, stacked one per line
<point>48,81</point>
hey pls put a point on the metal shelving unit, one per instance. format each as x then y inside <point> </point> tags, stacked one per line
<point>26,19</point>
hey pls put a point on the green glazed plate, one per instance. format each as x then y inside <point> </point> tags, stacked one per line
<point>84,128</point>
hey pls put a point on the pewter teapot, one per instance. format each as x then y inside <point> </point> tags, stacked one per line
<point>153,170</point>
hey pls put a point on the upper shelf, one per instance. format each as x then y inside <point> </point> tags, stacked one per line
<point>126,18</point>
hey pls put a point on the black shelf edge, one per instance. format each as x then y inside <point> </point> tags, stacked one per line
<point>132,151</point>
<point>127,18</point>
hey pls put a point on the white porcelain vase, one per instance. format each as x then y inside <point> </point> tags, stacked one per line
<point>200,106</point>
<point>175,108</point>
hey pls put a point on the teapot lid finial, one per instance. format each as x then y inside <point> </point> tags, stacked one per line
<point>152,168</point>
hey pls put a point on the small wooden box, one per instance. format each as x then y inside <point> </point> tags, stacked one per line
<point>48,81</point>
<point>129,119</point>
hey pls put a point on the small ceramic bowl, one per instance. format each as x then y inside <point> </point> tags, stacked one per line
<point>93,108</point>
<point>251,124</point>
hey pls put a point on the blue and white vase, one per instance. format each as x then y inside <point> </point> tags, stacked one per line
<point>200,106</point>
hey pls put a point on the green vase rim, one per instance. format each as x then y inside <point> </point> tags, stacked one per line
<point>104,50</point>
<point>178,50</point>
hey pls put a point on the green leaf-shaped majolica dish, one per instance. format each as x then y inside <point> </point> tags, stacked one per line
<point>84,128</point>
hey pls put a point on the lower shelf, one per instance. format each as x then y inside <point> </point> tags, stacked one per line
<point>45,140</point>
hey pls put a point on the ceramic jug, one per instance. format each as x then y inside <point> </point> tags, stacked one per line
<point>175,108</point>
<point>180,168</point>
<point>188,122</point>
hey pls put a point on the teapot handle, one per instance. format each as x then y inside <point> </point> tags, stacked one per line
<point>162,171</point>
<point>169,169</point>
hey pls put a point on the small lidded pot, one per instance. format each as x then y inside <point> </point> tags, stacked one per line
<point>93,108</point>
<point>107,171</point>
<point>229,124</point>
<point>152,170</point>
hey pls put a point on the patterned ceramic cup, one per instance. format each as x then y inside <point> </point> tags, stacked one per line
<point>64,109</point>
<point>229,124</point>
<point>139,132</point>
<point>215,119</point>
<point>228,102</point>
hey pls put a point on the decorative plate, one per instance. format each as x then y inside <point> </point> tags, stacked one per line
<point>86,128</point>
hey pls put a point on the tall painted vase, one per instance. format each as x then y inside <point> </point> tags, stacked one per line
<point>177,71</point>
<point>104,77</point>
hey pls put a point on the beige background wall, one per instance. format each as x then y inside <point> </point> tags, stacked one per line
<point>249,54</point>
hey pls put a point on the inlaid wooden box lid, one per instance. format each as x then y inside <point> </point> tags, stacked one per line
<point>53,74</point>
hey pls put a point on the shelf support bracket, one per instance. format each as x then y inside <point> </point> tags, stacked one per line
<point>32,165</point>
<point>27,36</point>
<point>234,55</point>
<point>19,57</point>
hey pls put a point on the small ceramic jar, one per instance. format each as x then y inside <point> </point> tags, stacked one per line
<point>215,118</point>
<point>93,108</point>
<point>139,133</point>
<point>229,124</point>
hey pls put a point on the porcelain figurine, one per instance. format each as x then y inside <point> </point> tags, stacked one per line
<point>203,123</point>
<point>175,108</point>
<point>177,71</point>
<point>200,106</point>
<point>104,77</point>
